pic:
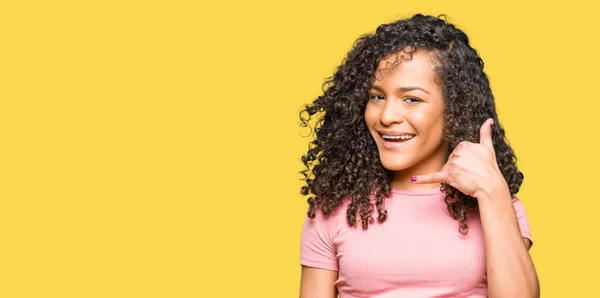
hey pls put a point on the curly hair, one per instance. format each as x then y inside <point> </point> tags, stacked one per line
<point>338,169</point>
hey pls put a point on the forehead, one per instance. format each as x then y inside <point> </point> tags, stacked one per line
<point>416,68</point>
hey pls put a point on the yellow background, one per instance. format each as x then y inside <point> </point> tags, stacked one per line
<point>151,148</point>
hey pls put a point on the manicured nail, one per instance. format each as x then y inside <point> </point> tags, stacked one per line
<point>491,124</point>
<point>413,179</point>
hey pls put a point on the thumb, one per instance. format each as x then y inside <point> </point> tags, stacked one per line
<point>485,134</point>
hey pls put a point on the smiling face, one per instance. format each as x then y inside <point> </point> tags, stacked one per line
<point>405,116</point>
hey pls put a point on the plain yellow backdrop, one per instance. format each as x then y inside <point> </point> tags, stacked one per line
<point>152,148</point>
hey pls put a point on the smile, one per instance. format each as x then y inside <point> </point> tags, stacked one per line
<point>395,141</point>
<point>397,138</point>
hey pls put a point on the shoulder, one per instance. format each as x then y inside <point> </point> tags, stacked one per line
<point>523,220</point>
<point>332,220</point>
<point>519,207</point>
<point>318,246</point>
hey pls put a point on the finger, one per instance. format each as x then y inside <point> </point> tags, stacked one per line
<point>437,177</point>
<point>485,134</point>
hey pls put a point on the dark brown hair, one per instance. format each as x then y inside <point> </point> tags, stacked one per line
<point>342,162</point>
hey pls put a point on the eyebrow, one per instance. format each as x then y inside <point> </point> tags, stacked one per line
<point>403,89</point>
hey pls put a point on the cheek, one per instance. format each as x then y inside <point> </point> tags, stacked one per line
<point>428,122</point>
<point>371,116</point>
<point>422,120</point>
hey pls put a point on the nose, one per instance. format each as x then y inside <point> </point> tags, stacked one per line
<point>392,112</point>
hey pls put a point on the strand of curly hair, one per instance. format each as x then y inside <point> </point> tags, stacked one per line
<point>342,162</point>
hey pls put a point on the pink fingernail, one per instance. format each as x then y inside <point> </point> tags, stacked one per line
<point>491,124</point>
<point>413,179</point>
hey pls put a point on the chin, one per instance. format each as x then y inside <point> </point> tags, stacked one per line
<point>396,165</point>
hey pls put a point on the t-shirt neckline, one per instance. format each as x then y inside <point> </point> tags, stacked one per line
<point>417,192</point>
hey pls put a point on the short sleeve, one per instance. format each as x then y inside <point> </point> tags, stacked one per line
<point>522,218</point>
<point>317,248</point>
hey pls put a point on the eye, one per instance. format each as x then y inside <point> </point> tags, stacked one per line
<point>412,100</point>
<point>376,97</point>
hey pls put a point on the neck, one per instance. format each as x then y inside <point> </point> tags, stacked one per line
<point>432,164</point>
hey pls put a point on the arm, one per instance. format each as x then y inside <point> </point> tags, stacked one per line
<point>473,170</point>
<point>510,270</point>
<point>318,283</point>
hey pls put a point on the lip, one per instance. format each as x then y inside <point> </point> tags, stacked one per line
<point>394,145</point>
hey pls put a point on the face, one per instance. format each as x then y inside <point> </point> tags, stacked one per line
<point>405,115</point>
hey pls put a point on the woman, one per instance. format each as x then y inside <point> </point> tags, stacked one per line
<point>410,177</point>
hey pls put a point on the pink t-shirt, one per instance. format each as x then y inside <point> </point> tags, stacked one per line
<point>417,252</point>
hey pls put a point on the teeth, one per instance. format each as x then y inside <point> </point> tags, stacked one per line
<point>403,137</point>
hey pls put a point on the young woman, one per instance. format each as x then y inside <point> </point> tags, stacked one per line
<point>410,177</point>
